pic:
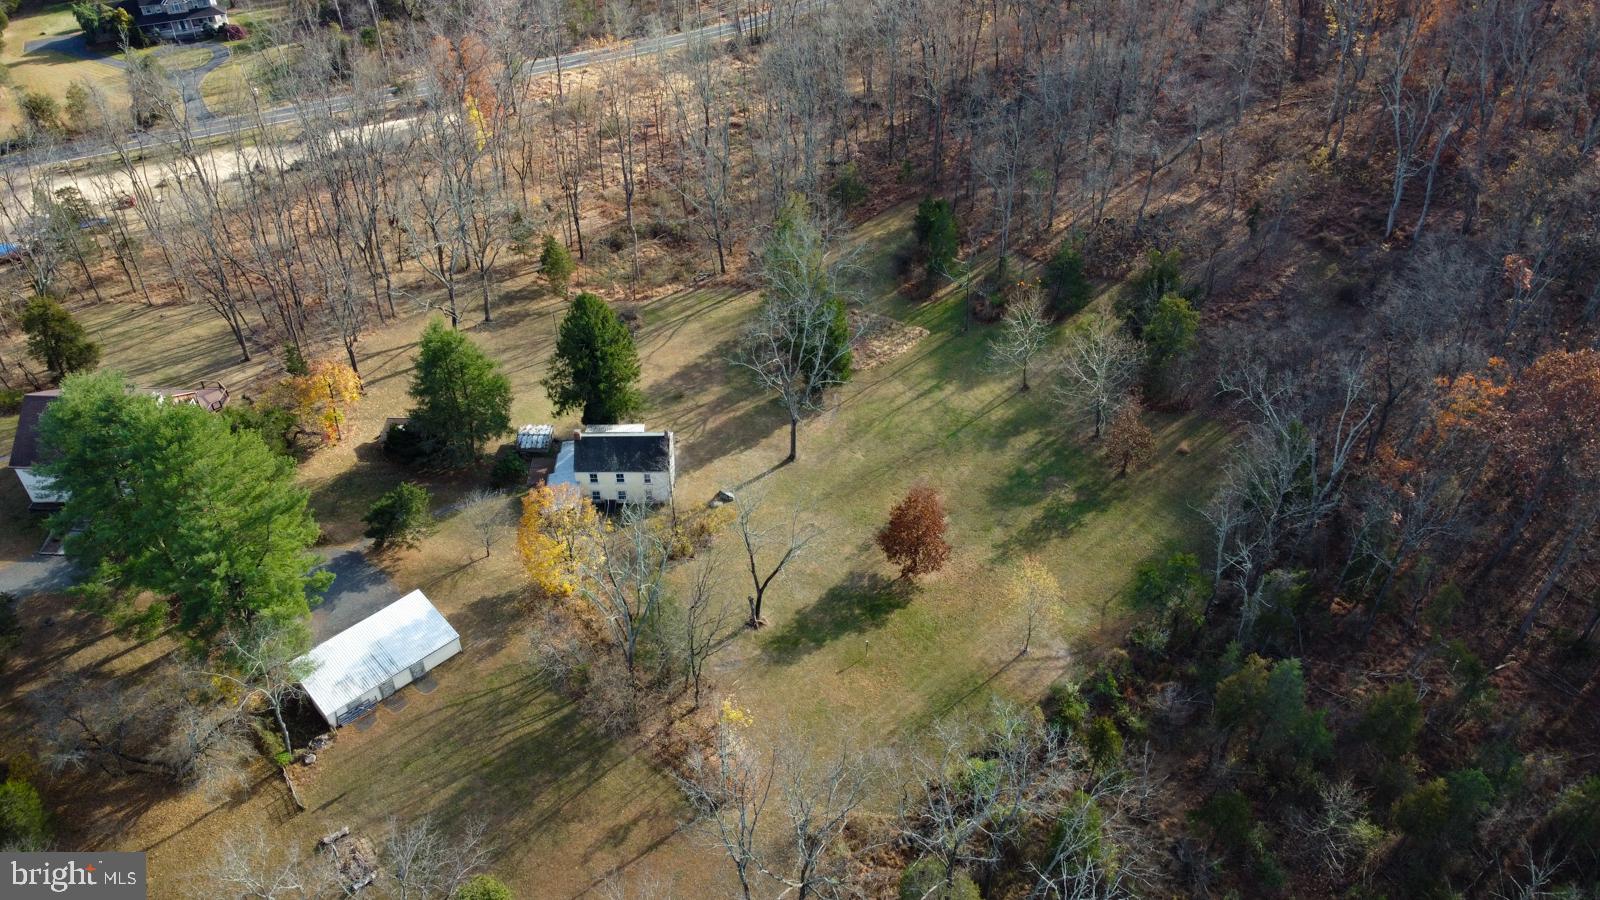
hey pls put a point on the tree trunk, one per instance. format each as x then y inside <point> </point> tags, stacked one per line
<point>1578,529</point>
<point>1514,534</point>
<point>288,742</point>
<point>794,436</point>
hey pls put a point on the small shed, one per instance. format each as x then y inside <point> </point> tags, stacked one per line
<point>377,656</point>
<point>534,438</point>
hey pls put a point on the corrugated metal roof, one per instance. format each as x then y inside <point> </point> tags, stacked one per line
<point>563,473</point>
<point>375,649</point>
<point>41,488</point>
<point>535,437</point>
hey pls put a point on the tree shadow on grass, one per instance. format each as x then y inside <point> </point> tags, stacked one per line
<point>860,602</point>
<point>485,618</point>
<point>1066,485</point>
<point>701,384</point>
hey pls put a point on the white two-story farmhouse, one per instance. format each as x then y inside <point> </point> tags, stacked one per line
<point>618,464</point>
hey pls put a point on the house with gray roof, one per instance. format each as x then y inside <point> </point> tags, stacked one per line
<point>616,464</point>
<point>26,452</point>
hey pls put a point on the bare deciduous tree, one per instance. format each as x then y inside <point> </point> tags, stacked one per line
<point>490,515</point>
<point>1025,331</point>
<point>252,864</point>
<point>267,660</point>
<point>769,549</point>
<point>424,862</point>
<point>170,724</point>
<point>1094,370</point>
<point>624,584</point>
<point>799,344</point>
<point>706,621</point>
<point>731,786</point>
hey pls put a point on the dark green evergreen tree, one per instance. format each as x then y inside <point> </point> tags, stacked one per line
<point>463,401</point>
<point>556,264</point>
<point>1162,275</point>
<point>1066,287</point>
<point>400,518</point>
<point>168,498</point>
<point>938,240</point>
<point>595,367</point>
<point>56,339</point>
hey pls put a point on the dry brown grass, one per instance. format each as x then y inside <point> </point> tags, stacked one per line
<point>847,653</point>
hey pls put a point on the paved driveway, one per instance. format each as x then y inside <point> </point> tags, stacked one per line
<point>359,587</point>
<point>36,575</point>
<point>189,83</point>
<point>359,590</point>
<point>76,46</point>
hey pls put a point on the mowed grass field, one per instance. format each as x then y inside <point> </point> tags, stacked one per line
<point>847,650</point>
<point>48,71</point>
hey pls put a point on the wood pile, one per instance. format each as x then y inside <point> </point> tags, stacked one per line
<point>880,339</point>
<point>354,858</point>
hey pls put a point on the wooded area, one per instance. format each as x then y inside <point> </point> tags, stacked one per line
<point>1361,238</point>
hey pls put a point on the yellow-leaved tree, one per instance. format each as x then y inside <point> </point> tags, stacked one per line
<point>1035,589</point>
<point>324,395</point>
<point>560,537</point>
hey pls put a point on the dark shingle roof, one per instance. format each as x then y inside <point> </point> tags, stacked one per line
<point>144,21</point>
<point>622,453</point>
<point>25,446</point>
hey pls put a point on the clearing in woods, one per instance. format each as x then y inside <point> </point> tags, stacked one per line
<point>846,649</point>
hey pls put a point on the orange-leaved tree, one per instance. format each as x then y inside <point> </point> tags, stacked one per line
<point>1129,441</point>
<point>1542,430</point>
<point>913,539</point>
<point>559,537</point>
<point>324,395</point>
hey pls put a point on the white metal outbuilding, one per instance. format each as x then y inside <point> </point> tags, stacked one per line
<point>377,656</point>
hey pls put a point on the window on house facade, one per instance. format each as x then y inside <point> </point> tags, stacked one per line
<point>594,477</point>
<point>595,496</point>
<point>621,479</point>
<point>622,496</point>
<point>647,478</point>
<point>649,495</point>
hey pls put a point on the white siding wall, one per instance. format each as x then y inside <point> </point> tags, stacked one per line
<point>440,655</point>
<point>632,483</point>
<point>401,678</point>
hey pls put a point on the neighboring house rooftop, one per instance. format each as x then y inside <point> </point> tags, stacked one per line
<point>621,451</point>
<point>354,661</point>
<point>167,18</point>
<point>25,446</point>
